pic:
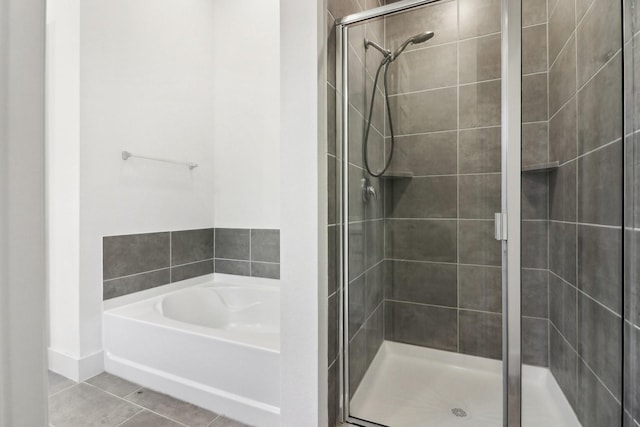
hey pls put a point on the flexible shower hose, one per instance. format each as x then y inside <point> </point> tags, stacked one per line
<point>386,61</point>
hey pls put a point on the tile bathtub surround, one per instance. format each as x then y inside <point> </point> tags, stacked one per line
<point>132,263</point>
<point>110,401</point>
<point>247,252</point>
<point>135,262</point>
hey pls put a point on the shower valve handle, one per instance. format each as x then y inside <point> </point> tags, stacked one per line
<point>368,191</point>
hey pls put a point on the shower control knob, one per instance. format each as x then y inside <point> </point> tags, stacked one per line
<point>368,191</point>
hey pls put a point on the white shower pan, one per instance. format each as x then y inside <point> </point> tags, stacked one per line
<point>409,386</point>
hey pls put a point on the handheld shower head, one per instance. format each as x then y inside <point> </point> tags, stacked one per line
<point>418,38</point>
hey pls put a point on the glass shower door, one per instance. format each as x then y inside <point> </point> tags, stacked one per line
<point>421,164</point>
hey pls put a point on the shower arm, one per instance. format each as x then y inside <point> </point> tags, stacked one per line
<point>385,52</point>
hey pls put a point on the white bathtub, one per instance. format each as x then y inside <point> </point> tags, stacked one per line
<point>213,341</point>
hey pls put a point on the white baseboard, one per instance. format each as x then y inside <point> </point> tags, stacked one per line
<point>76,369</point>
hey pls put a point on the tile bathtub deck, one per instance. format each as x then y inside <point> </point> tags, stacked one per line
<point>109,401</point>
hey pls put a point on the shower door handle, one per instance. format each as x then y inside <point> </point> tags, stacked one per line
<point>500,231</point>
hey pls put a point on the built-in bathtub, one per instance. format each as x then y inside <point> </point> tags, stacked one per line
<point>213,341</point>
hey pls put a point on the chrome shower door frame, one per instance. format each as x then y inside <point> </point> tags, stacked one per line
<point>511,77</point>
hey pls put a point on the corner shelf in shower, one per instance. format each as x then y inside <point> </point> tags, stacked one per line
<point>397,174</point>
<point>541,167</point>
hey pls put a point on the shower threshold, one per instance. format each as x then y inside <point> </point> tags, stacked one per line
<point>410,386</point>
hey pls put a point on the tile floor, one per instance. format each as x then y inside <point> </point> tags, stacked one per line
<point>109,401</point>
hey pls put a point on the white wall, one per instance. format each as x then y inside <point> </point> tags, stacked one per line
<point>63,177</point>
<point>247,113</point>
<point>22,236</point>
<point>304,214</point>
<point>196,80</point>
<point>142,73</point>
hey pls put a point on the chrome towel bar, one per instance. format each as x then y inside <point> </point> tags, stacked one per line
<point>126,155</point>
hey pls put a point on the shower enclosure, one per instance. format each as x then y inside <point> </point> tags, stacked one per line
<point>479,168</point>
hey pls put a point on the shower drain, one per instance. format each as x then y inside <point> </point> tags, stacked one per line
<point>459,412</point>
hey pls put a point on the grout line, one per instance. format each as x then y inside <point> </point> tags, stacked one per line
<point>586,224</point>
<point>137,274</point>
<point>590,151</point>
<point>131,417</point>
<point>63,389</point>
<point>124,399</point>
<point>448,307</point>
<point>456,86</point>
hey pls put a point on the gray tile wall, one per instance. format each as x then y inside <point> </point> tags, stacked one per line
<point>247,252</point>
<point>442,265</point>
<point>135,262</point>
<point>585,245</point>
<point>571,227</point>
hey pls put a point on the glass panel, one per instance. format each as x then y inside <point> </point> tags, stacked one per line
<point>424,305</point>
<point>572,213</point>
<point>631,400</point>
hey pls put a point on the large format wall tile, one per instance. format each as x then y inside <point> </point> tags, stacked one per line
<point>134,253</point>
<point>534,98</point>
<point>479,17</point>
<point>599,186</point>
<point>562,77</point>
<point>233,243</point>
<point>481,334</point>
<point>479,196</point>
<point>599,265</point>
<point>563,361</point>
<point>563,128</point>
<point>187,271</point>
<point>599,338</point>
<point>126,285</point>
<point>477,244</point>
<point>480,150</point>
<point>421,240</point>
<point>480,58</point>
<point>428,111</point>
<point>429,197</point>
<point>535,244</point>
<point>423,325</point>
<point>480,104</point>
<point>535,341</point>
<point>535,293</point>
<point>191,246</point>
<point>535,141</point>
<point>600,107</point>
<point>427,283</point>
<point>265,245</point>
<point>534,12</point>
<point>563,308</point>
<point>562,192</point>
<point>534,48</point>
<point>534,196</point>
<point>563,244</point>
<point>439,17</point>
<point>561,25</point>
<point>430,67</point>
<point>426,154</point>
<point>596,406</point>
<point>480,288</point>
<point>598,37</point>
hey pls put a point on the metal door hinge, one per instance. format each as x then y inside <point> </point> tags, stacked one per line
<point>500,232</point>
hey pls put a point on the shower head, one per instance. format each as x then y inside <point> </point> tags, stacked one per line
<point>418,38</point>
